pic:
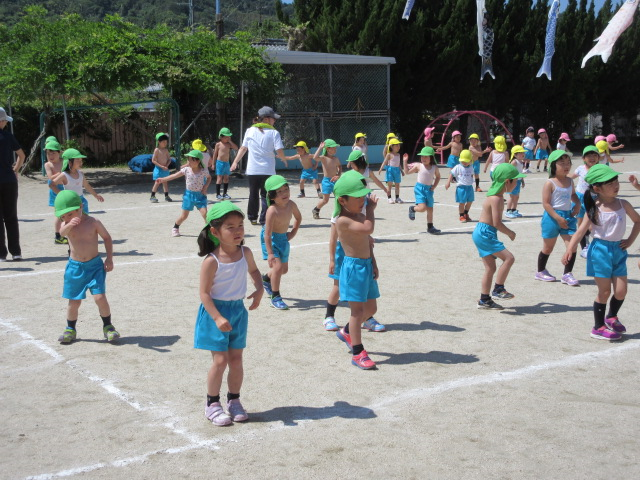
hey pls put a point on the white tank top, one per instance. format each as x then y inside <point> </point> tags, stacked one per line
<point>395,161</point>
<point>230,281</point>
<point>560,197</point>
<point>612,225</point>
<point>426,176</point>
<point>497,158</point>
<point>582,186</point>
<point>75,184</point>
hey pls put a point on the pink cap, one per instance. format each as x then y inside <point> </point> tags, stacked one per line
<point>456,132</point>
<point>428,132</point>
<point>565,136</point>
<point>599,138</point>
<point>611,138</point>
<point>542,130</point>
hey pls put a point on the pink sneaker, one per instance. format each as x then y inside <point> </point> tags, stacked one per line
<point>345,337</point>
<point>236,410</point>
<point>603,333</point>
<point>216,415</point>
<point>570,280</point>
<point>614,324</point>
<point>545,276</point>
<point>363,361</point>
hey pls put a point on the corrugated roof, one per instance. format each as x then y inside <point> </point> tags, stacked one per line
<point>287,57</point>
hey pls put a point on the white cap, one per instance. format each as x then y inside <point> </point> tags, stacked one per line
<point>4,116</point>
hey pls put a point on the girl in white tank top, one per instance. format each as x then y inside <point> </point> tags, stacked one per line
<point>427,181</point>
<point>73,179</point>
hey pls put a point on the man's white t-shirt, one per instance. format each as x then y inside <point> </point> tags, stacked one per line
<point>262,146</point>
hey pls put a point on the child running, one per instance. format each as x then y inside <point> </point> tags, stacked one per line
<point>605,157</point>
<point>195,195</point>
<point>475,147</point>
<point>53,167</point>
<point>497,156</point>
<point>73,179</point>
<point>161,159</point>
<point>558,218</point>
<point>428,179</point>
<point>590,156</point>
<point>275,236</point>
<point>331,169</point>
<point>607,257</point>
<point>486,239</point>
<point>456,147</point>
<point>463,172</point>
<point>542,149</point>
<point>611,139</point>
<point>517,160</point>
<point>309,168</point>
<point>394,171</point>
<point>85,269</point>
<point>221,154</point>
<point>358,274</point>
<point>221,325</point>
<point>529,145</point>
<point>562,143</point>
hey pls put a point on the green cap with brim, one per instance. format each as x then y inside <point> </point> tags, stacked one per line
<point>600,174</point>
<point>218,210</point>
<point>70,154</point>
<point>351,184</point>
<point>355,155</point>
<point>53,145</point>
<point>502,173</point>
<point>329,143</point>
<point>556,155</point>
<point>197,154</point>
<point>590,149</point>
<point>67,201</point>
<point>274,182</point>
<point>427,152</point>
<point>50,139</point>
<point>159,136</point>
<point>225,132</point>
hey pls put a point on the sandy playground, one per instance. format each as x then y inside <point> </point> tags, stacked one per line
<point>459,393</point>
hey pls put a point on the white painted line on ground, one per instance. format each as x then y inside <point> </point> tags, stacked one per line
<point>32,340</point>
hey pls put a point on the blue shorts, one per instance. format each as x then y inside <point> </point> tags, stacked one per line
<point>464,194</point>
<point>528,154</point>
<point>486,239</point>
<point>542,154</point>
<point>279,245</point>
<point>582,211</point>
<point>356,280</point>
<point>452,161</point>
<point>606,259</point>
<point>208,336</point>
<point>309,174</point>
<point>160,173</point>
<point>222,168</point>
<point>516,190</point>
<point>551,229</point>
<point>476,167</point>
<point>339,258</point>
<point>327,186</point>
<point>423,194</point>
<point>85,204</point>
<point>80,276</point>
<point>192,199</point>
<point>393,175</point>
<point>52,196</point>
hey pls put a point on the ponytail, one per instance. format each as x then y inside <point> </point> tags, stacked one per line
<point>552,170</point>
<point>204,243</point>
<point>590,205</point>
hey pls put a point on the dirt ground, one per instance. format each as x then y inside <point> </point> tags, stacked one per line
<point>459,393</point>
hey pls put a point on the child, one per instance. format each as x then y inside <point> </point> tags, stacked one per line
<point>331,169</point>
<point>53,167</point>
<point>221,325</point>
<point>529,144</point>
<point>394,171</point>
<point>73,179</point>
<point>428,179</point>
<point>542,149</point>
<point>497,156</point>
<point>275,236</point>
<point>486,239</point>
<point>428,135</point>
<point>221,153</point>
<point>558,218</point>
<point>197,180</point>
<point>590,156</point>
<point>562,143</point>
<point>359,271</point>
<point>607,258</point>
<point>360,143</point>
<point>85,269</point>
<point>358,161</point>
<point>385,149</point>
<point>197,144</point>
<point>475,147</point>
<point>463,172</point>
<point>161,159</point>
<point>611,139</point>
<point>309,168</point>
<point>517,160</point>
<point>605,158</point>
<point>456,147</point>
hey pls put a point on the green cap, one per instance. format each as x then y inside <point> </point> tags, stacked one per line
<point>225,132</point>
<point>218,210</point>
<point>427,152</point>
<point>351,184</point>
<point>590,148</point>
<point>329,143</point>
<point>556,155</point>
<point>197,154</point>
<point>50,139</point>
<point>274,182</point>
<point>502,173</point>
<point>600,174</point>
<point>159,136</point>
<point>70,154</point>
<point>53,145</point>
<point>355,155</point>
<point>67,201</point>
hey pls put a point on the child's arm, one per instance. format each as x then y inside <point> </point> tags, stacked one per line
<point>634,182</point>
<point>613,160</point>
<point>448,184</point>
<point>65,227</point>
<point>377,181</point>
<point>366,227</point>
<point>338,172</point>
<point>108,245</point>
<point>574,198</point>
<point>488,162</point>
<point>87,186</point>
<point>318,150</point>
<point>50,175</point>
<point>207,273</point>
<point>387,157</point>
<point>547,190</point>
<point>537,147</point>
<point>405,160</point>
<point>575,239</point>
<point>173,176</point>
<point>333,242</point>
<point>446,147</point>
<point>60,178</point>
<point>214,156</point>
<point>436,179</point>
<point>293,157</point>
<point>376,272</point>
<point>206,185</point>
<point>233,146</point>
<point>297,219</point>
<point>613,149</point>
<point>414,169</point>
<point>496,217</point>
<point>635,218</point>
<point>268,229</point>
<point>280,155</point>
<point>256,296</point>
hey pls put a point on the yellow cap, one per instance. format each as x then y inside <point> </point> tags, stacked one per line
<point>395,141</point>
<point>474,135</point>
<point>501,143</point>
<point>465,156</point>
<point>303,145</point>
<point>602,146</point>
<point>360,135</point>
<point>516,149</point>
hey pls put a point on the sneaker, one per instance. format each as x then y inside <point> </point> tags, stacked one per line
<point>218,197</point>
<point>330,324</point>
<point>466,215</point>
<point>463,219</point>
<point>110,333</point>
<point>433,231</point>
<point>526,170</point>
<point>226,196</point>
<point>614,324</point>
<point>175,232</point>
<point>510,215</point>
<point>277,302</point>
<point>373,325</point>
<point>61,241</point>
<point>254,222</point>
<point>16,258</point>
<point>301,195</point>
<point>167,198</point>
<point>584,252</point>
<point>545,169</point>
<point>489,305</point>
<point>399,200</point>
<point>316,214</point>
<point>545,276</point>
<point>603,333</point>
<point>570,280</point>
<point>153,200</point>
<point>345,337</point>
<point>216,415</point>
<point>237,411</point>
<point>478,189</point>
<point>412,213</point>
<point>68,336</point>
<point>390,200</point>
<point>267,287</point>
<point>502,295</point>
<point>518,214</point>
<point>363,361</point>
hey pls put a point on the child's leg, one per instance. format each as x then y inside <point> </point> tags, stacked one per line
<point>316,184</point>
<point>57,224</point>
<point>355,321</point>
<point>301,185</point>
<point>507,262</point>
<point>236,370</point>
<point>225,182</point>
<point>323,201</point>
<point>72,311</point>
<point>218,179</point>
<point>600,305</point>
<point>487,278</point>
<point>461,209</point>
<point>420,207</point>
<point>216,371</point>
<point>183,216</point>
<point>429,214</point>
<point>370,309</point>
<point>154,189</point>
<point>103,305</point>
<point>512,203</point>
<point>203,212</point>
<point>275,273</point>
<point>467,207</point>
<point>619,294</point>
<point>334,295</point>
<point>397,190</point>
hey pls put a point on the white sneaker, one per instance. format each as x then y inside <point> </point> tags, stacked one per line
<point>175,232</point>
<point>399,200</point>
<point>17,258</point>
<point>390,200</point>
<point>584,251</point>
